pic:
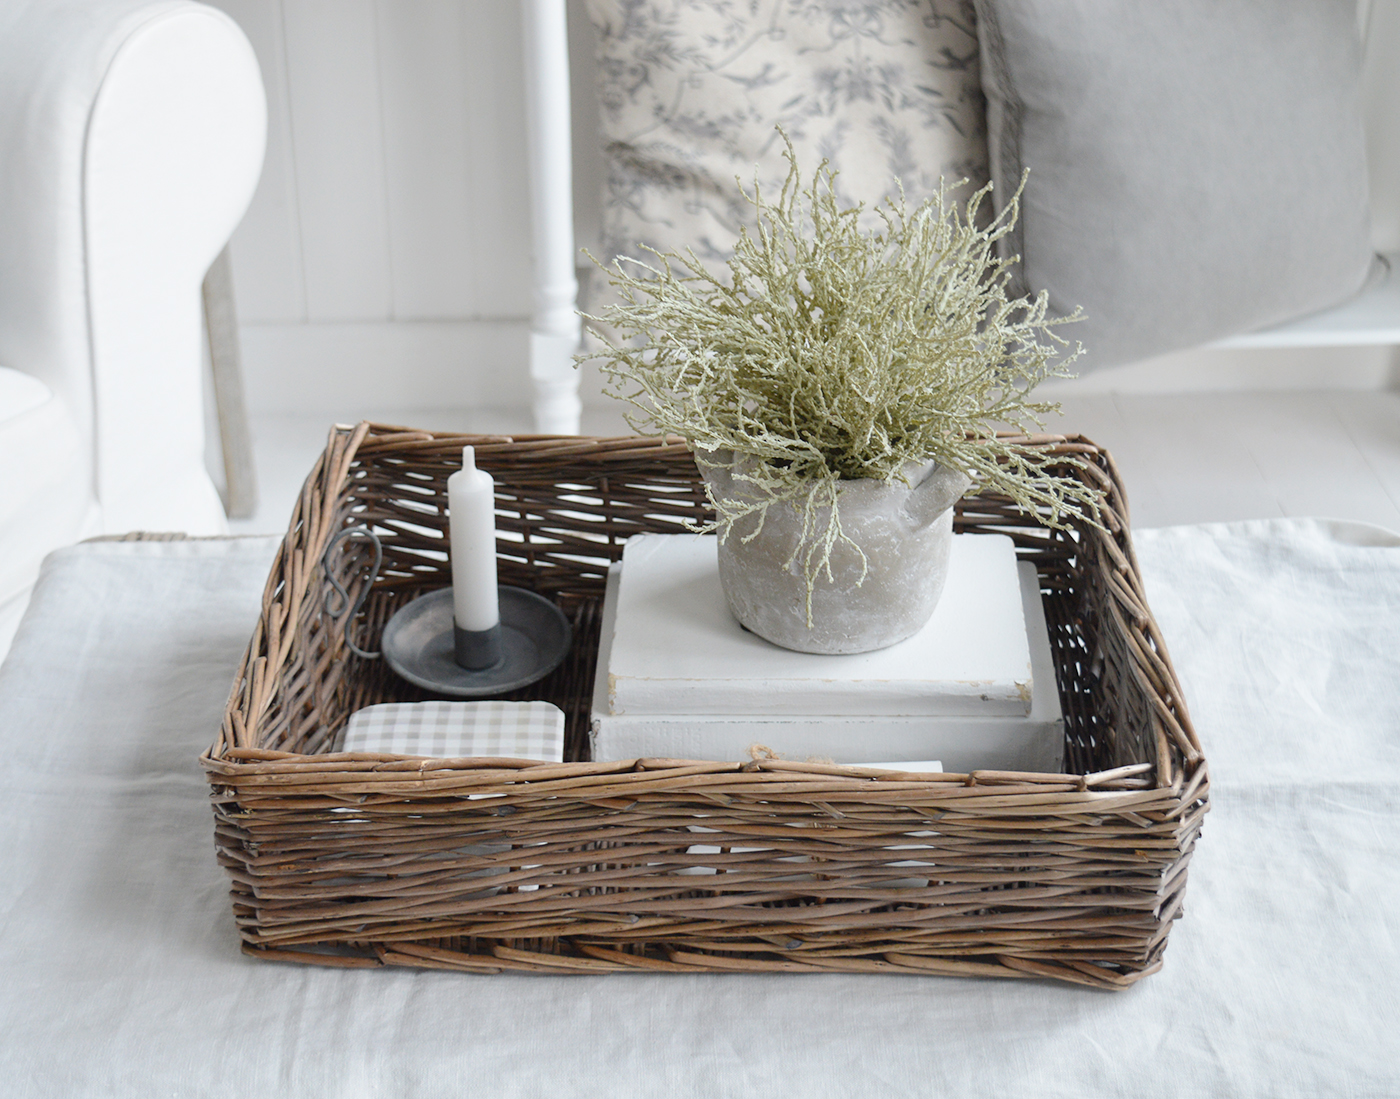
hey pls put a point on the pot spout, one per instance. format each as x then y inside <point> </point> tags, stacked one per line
<point>935,494</point>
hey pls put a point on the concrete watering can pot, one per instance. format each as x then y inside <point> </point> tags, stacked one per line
<point>904,530</point>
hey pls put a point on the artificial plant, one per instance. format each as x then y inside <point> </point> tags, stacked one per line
<point>832,353</point>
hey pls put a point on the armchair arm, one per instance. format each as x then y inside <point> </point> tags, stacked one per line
<point>133,135</point>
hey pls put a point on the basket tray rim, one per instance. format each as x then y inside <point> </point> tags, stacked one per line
<point>1130,828</point>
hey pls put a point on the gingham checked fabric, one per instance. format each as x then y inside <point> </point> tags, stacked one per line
<point>449,730</point>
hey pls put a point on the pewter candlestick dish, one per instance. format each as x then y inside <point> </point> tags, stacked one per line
<point>419,642</point>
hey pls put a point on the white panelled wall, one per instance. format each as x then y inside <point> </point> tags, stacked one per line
<point>385,261</point>
<point>384,265</point>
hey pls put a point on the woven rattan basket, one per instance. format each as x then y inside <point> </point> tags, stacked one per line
<point>484,865</point>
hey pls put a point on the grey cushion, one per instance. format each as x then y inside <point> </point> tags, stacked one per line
<point>1197,166</point>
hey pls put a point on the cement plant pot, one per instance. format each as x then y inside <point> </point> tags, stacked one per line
<point>905,532</point>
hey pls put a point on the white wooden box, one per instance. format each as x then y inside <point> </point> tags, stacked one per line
<point>677,649</point>
<point>963,743</point>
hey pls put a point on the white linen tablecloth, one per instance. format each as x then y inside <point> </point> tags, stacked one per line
<point>120,972</point>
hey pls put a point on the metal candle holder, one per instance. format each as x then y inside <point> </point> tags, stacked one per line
<point>421,641</point>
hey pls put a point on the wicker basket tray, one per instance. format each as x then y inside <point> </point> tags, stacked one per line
<point>484,865</point>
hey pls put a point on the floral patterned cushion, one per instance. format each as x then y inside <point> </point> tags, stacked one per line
<point>691,91</point>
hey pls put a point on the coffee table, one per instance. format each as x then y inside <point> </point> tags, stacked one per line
<point>122,973</point>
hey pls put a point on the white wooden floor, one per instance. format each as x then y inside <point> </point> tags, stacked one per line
<point>1186,458</point>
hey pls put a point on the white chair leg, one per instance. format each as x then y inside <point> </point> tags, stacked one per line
<point>554,383</point>
<point>554,325</point>
<point>220,317</point>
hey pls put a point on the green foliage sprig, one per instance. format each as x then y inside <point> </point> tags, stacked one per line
<point>833,353</point>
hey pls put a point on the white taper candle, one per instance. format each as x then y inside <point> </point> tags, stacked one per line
<point>471,514</point>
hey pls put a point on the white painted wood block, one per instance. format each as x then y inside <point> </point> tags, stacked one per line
<point>678,650</point>
<point>962,744</point>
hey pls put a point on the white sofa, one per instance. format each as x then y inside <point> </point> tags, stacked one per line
<point>131,139</point>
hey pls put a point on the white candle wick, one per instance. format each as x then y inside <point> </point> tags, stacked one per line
<point>471,514</point>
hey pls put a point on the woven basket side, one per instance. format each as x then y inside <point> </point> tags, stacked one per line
<point>1101,633</point>
<point>679,866</point>
<point>284,679</point>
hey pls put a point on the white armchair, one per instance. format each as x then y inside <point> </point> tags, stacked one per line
<point>131,139</point>
<point>132,136</point>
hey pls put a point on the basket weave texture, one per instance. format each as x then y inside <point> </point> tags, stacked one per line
<point>485,865</point>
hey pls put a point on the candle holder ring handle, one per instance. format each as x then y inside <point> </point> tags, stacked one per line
<point>339,596</point>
